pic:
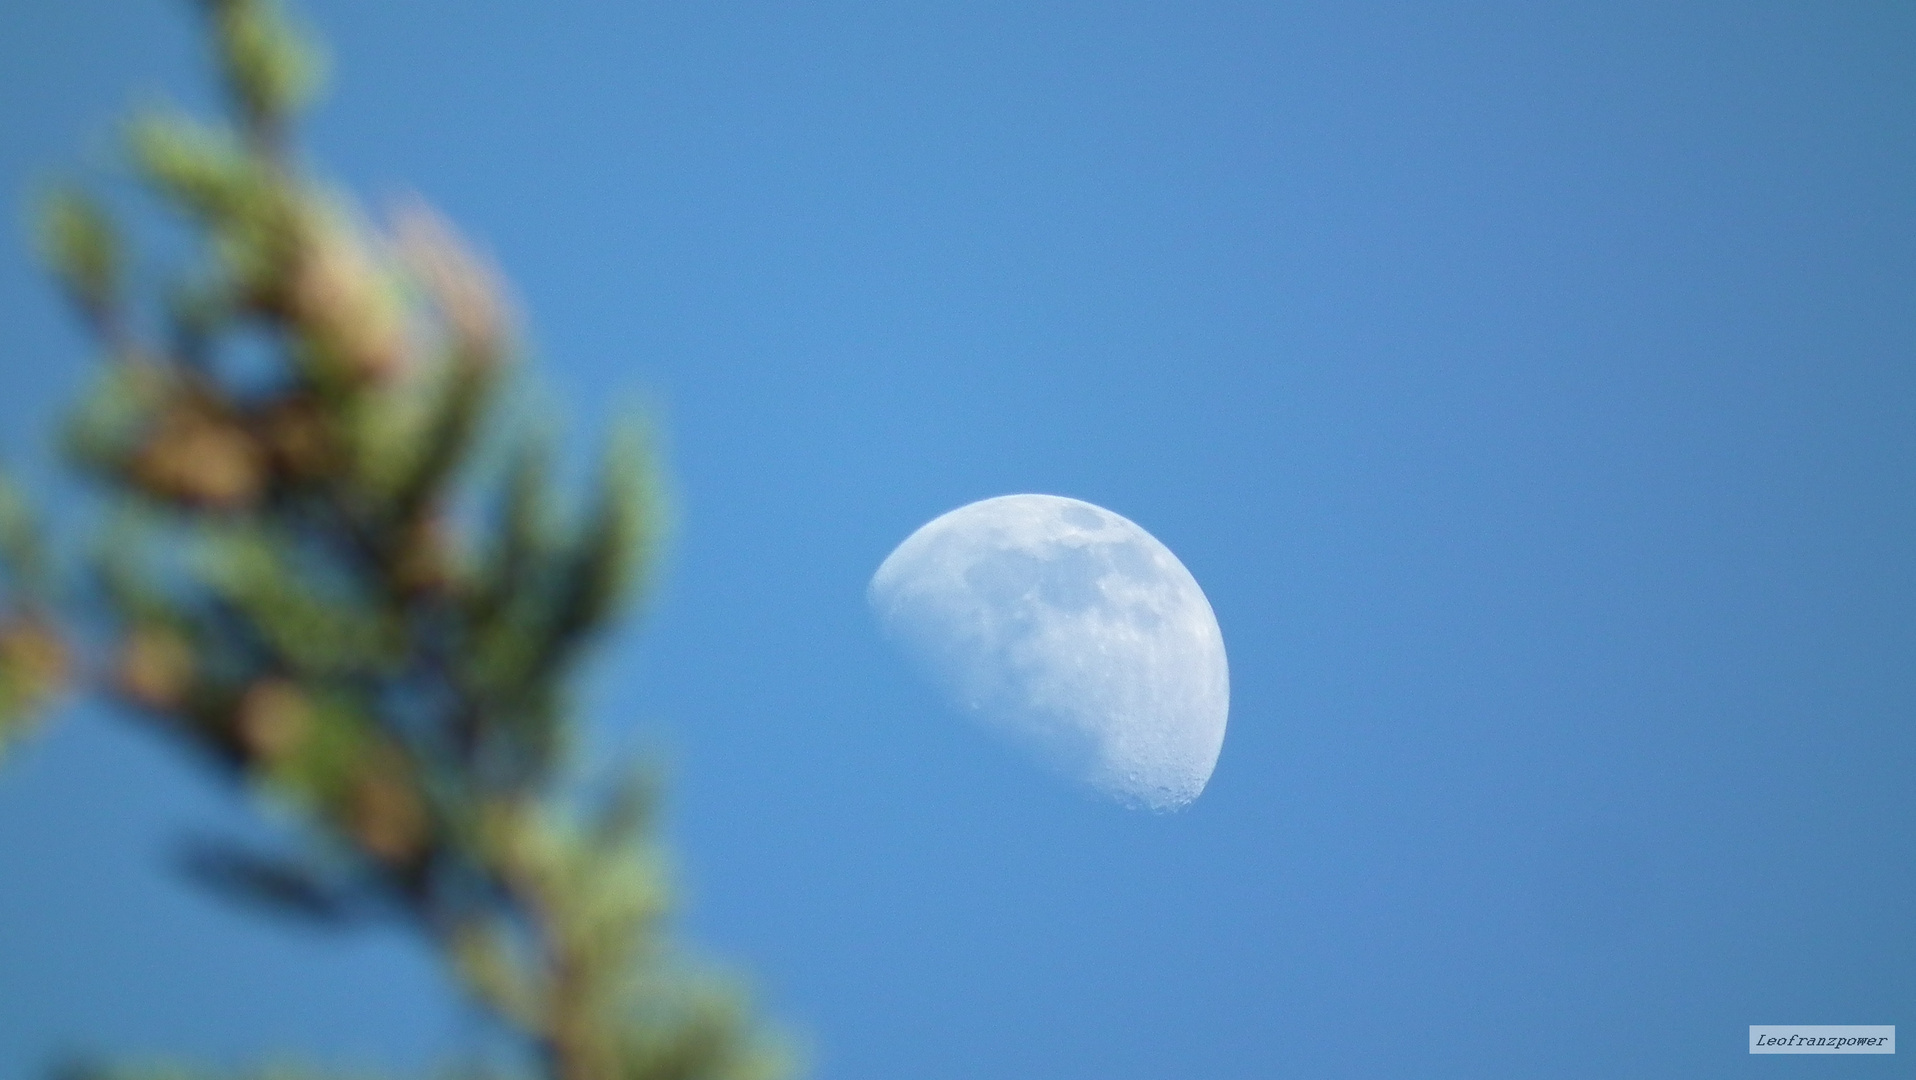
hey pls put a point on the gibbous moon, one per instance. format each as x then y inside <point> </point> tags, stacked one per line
<point>1071,631</point>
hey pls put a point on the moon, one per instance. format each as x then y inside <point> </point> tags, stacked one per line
<point>1070,631</point>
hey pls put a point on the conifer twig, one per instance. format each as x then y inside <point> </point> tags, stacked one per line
<point>291,600</point>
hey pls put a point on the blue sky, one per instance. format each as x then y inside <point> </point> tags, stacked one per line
<point>1529,387</point>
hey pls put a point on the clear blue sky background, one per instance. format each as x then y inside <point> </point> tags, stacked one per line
<point>1531,387</point>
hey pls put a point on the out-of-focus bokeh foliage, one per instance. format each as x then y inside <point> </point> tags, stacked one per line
<point>33,659</point>
<point>308,581</point>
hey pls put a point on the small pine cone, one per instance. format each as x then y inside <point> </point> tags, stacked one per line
<point>33,654</point>
<point>200,459</point>
<point>339,298</point>
<point>273,719</point>
<point>155,668</point>
<point>385,814</point>
<point>464,286</point>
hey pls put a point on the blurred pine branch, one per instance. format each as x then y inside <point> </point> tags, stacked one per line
<point>292,600</point>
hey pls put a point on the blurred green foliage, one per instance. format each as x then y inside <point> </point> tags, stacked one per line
<point>296,598</point>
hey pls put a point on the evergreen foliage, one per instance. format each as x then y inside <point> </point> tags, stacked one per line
<point>293,599</point>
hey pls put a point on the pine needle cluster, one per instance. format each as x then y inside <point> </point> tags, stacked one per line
<point>284,441</point>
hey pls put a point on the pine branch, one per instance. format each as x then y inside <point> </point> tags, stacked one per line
<point>292,602</point>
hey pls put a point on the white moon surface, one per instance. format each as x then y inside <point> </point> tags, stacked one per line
<point>1071,631</point>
